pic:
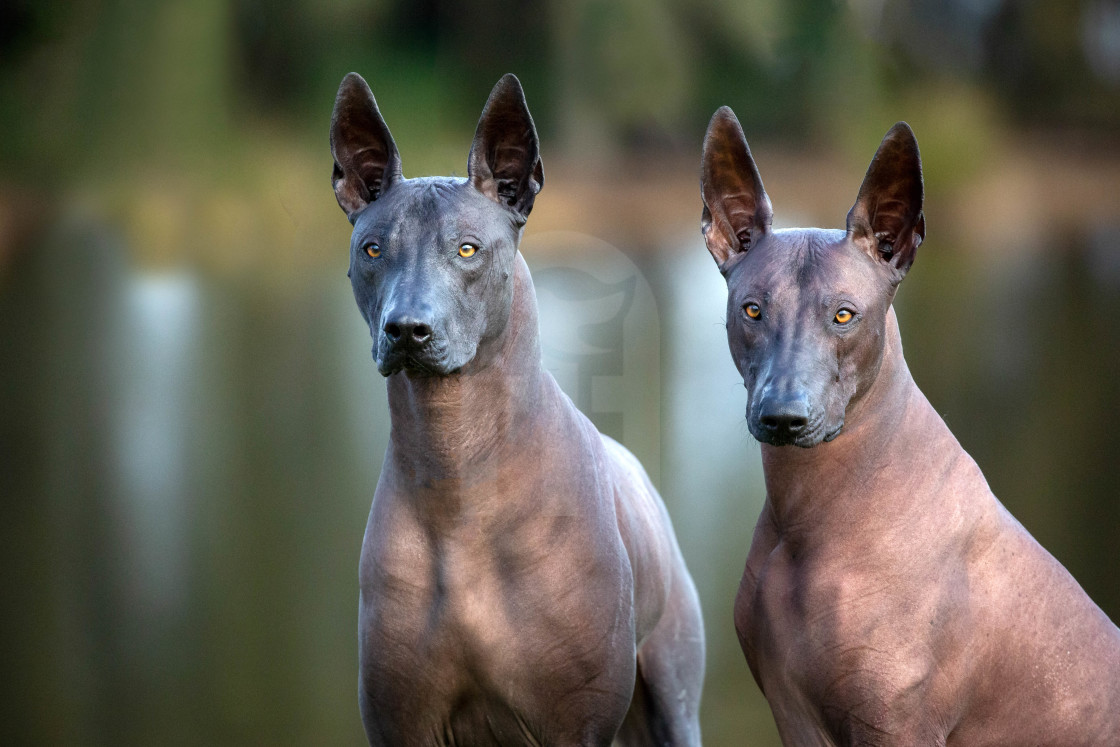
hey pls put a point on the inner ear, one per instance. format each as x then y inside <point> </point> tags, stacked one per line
<point>366,160</point>
<point>736,207</point>
<point>886,219</point>
<point>504,162</point>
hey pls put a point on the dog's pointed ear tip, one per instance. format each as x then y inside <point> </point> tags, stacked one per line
<point>902,132</point>
<point>353,91</point>
<point>352,82</point>
<point>724,131</point>
<point>508,86</point>
<point>724,117</point>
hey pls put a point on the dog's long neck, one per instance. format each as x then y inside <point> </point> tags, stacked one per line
<point>455,428</point>
<point>869,472</point>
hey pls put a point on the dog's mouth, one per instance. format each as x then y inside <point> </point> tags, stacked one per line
<point>813,434</point>
<point>802,441</point>
<point>414,365</point>
<point>428,360</point>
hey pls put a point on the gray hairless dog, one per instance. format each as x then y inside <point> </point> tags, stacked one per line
<point>888,597</point>
<point>520,581</point>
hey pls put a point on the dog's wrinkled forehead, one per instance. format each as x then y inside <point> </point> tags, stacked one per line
<point>428,208</point>
<point>796,261</point>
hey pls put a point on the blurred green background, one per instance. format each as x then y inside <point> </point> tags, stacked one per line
<point>190,423</point>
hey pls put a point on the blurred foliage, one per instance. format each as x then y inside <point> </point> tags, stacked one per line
<point>95,86</point>
<point>199,125</point>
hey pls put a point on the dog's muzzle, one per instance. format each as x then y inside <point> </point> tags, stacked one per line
<point>425,355</point>
<point>788,420</point>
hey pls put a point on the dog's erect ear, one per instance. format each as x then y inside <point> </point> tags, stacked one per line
<point>505,161</point>
<point>887,219</point>
<point>366,161</point>
<point>736,207</point>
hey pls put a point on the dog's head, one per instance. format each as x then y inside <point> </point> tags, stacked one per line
<point>807,308</point>
<point>432,259</point>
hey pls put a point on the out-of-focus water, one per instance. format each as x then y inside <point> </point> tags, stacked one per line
<point>187,462</point>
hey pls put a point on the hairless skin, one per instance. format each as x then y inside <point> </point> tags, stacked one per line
<point>888,597</point>
<point>520,581</point>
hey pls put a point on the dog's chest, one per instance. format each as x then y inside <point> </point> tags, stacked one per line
<point>452,608</point>
<point>477,625</point>
<point>826,649</point>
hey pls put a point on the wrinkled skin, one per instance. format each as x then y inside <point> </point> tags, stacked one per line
<point>888,597</point>
<point>520,581</point>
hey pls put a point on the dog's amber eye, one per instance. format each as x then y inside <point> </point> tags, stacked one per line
<point>752,310</point>
<point>843,316</point>
<point>467,249</point>
<point>372,249</point>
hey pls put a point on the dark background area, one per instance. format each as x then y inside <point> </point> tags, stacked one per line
<point>190,424</point>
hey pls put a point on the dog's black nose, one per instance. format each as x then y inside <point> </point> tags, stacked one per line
<point>409,330</point>
<point>784,417</point>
